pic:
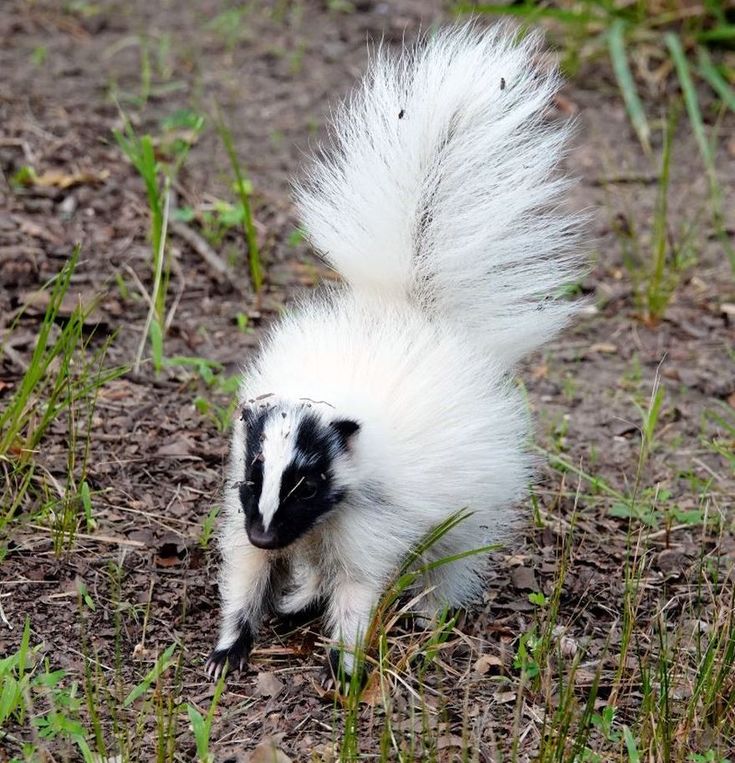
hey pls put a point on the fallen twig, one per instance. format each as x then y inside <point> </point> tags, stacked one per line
<point>216,264</point>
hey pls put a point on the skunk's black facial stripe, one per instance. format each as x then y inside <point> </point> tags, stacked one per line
<point>255,420</point>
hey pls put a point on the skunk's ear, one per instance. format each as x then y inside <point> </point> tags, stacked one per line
<point>345,429</point>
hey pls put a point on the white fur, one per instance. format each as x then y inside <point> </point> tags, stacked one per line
<point>473,149</point>
<point>441,224</point>
<point>278,448</point>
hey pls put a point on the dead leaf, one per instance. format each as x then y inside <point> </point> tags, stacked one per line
<point>450,741</point>
<point>488,663</point>
<point>179,446</point>
<point>59,179</point>
<point>584,677</point>
<point>325,752</point>
<point>523,579</point>
<point>115,390</point>
<point>143,653</point>
<point>372,694</point>
<point>268,752</point>
<point>170,554</point>
<point>568,646</point>
<point>324,694</point>
<point>39,231</point>
<point>540,371</point>
<point>268,685</point>
<point>606,348</point>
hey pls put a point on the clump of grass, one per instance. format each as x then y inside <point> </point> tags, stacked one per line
<point>668,690</point>
<point>180,132</point>
<point>140,152</point>
<point>216,218</point>
<point>42,710</point>
<point>62,379</point>
<point>244,191</point>
<point>42,700</point>
<point>691,101</point>
<point>220,404</point>
<point>656,268</point>
<point>722,442</point>
<point>658,291</point>
<point>156,69</point>
<point>231,26</point>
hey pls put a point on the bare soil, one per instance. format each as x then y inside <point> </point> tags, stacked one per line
<point>157,463</point>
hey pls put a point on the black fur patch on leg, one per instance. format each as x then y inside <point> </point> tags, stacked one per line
<point>334,664</point>
<point>292,620</point>
<point>335,675</point>
<point>234,657</point>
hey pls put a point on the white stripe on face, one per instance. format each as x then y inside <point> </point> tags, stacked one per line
<point>279,442</point>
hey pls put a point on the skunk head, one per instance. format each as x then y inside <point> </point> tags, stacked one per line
<point>297,463</point>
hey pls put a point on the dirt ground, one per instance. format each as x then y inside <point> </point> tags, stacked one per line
<point>157,462</point>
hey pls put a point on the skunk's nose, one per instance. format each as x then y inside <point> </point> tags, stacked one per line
<point>263,538</point>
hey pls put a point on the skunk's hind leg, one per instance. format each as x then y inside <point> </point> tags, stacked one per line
<point>244,584</point>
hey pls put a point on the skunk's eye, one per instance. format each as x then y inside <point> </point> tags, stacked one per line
<point>307,488</point>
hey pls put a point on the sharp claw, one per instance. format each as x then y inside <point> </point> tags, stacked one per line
<point>230,658</point>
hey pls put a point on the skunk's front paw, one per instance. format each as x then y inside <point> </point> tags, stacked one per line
<point>234,657</point>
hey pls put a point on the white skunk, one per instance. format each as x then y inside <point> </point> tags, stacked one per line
<point>380,408</point>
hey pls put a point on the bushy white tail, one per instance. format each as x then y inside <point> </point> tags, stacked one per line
<point>441,185</point>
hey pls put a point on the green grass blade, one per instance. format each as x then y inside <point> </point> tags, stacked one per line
<point>657,293</point>
<point>256,267</point>
<point>162,664</point>
<point>630,746</point>
<point>690,98</point>
<point>529,11</point>
<point>16,415</point>
<point>709,72</point>
<point>155,334</point>
<point>721,33</point>
<point>633,105</point>
<point>695,117</point>
<point>201,735</point>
